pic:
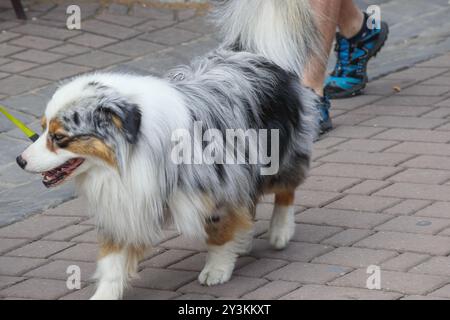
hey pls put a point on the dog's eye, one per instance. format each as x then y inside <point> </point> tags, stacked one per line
<point>58,137</point>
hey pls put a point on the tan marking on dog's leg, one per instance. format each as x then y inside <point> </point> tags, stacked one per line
<point>116,264</point>
<point>282,225</point>
<point>228,238</point>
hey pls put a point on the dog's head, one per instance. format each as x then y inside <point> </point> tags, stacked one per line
<point>86,124</point>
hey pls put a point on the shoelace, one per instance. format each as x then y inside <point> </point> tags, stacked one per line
<point>343,48</point>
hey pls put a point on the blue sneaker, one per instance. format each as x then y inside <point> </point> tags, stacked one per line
<point>349,77</point>
<point>325,123</point>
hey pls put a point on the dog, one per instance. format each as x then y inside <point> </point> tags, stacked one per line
<point>113,134</point>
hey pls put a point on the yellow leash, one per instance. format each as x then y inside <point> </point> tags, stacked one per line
<point>33,136</point>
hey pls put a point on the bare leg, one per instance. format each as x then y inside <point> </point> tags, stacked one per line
<point>116,265</point>
<point>282,226</point>
<point>227,239</point>
<point>351,19</point>
<point>327,17</point>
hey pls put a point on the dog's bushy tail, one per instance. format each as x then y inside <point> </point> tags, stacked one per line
<point>284,31</point>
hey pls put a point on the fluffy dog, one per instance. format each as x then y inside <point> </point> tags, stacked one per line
<point>114,135</point>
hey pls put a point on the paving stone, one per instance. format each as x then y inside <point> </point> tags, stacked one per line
<point>147,294</point>
<point>57,71</point>
<point>15,85</point>
<point>92,40</point>
<point>331,184</point>
<point>81,252</point>
<point>434,266</point>
<point>406,283</point>
<point>197,262</point>
<point>68,233</point>
<point>37,43</point>
<point>393,110</point>
<point>417,191</point>
<point>10,244</point>
<point>171,36</point>
<point>134,48</point>
<point>7,36</point>
<point>198,25</point>
<point>57,270</point>
<point>36,226</point>
<point>313,234</point>
<point>342,218</point>
<point>428,162</point>
<point>74,208</point>
<point>422,176</point>
<point>443,292</point>
<point>260,268</point>
<point>16,266</point>
<point>3,75</point>
<point>363,203</point>
<point>120,19</point>
<point>314,199</point>
<point>308,273</point>
<point>436,210</point>
<point>365,145</point>
<point>417,243</point>
<point>355,257</point>
<point>6,281</point>
<point>7,49</point>
<point>109,30</point>
<point>167,258</point>
<point>415,135</point>
<point>88,237</point>
<point>347,237</point>
<point>194,297</point>
<point>355,102</point>
<point>355,132</point>
<point>17,66</point>
<point>271,291</point>
<point>296,251</point>
<point>404,261</point>
<point>41,289</point>
<point>328,142</point>
<point>367,187</point>
<point>318,292</point>
<point>237,287</point>
<point>404,122</point>
<point>421,90</point>
<point>163,279</point>
<point>439,149</point>
<point>40,249</point>
<point>407,207</point>
<point>438,113</point>
<point>96,59</point>
<point>416,74</point>
<point>70,49</point>
<point>384,87</point>
<point>357,157</point>
<point>421,298</point>
<point>340,118</point>
<point>355,171</point>
<point>38,56</point>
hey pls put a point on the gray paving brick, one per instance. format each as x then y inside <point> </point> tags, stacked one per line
<point>7,49</point>
<point>10,244</point>
<point>443,292</point>
<point>17,66</point>
<point>260,268</point>
<point>436,210</point>
<point>428,162</point>
<point>404,261</point>
<point>422,176</point>
<point>163,279</point>
<point>171,36</point>
<point>34,42</point>
<point>57,270</point>
<point>415,225</point>
<point>38,56</point>
<point>393,110</point>
<point>421,90</point>
<point>194,297</point>
<point>272,290</point>
<point>331,184</point>
<point>197,262</point>
<point>308,273</point>
<point>355,257</point>
<point>57,71</point>
<point>296,251</point>
<point>87,252</point>
<point>313,199</point>
<point>439,149</point>
<point>120,19</point>
<point>318,292</point>
<point>92,40</point>
<point>109,30</point>
<point>355,132</point>
<point>68,233</point>
<point>16,266</point>
<point>407,207</point>
<point>417,243</point>
<point>349,104</point>
<point>415,135</point>
<point>406,283</point>
<point>363,203</point>
<point>70,49</point>
<point>434,266</point>
<point>313,234</point>
<point>167,258</point>
<point>342,218</point>
<point>417,191</point>
<point>367,187</point>
<point>416,74</point>
<point>96,59</point>
<point>6,281</point>
<point>355,171</point>
<point>404,122</point>
<point>40,249</point>
<point>365,145</point>
<point>42,289</point>
<point>17,84</point>
<point>237,287</point>
<point>347,237</point>
<point>134,48</point>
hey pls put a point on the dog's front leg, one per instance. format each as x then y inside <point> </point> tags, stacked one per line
<point>116,264</point>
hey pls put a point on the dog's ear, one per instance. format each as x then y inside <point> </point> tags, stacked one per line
<point>127,117</point>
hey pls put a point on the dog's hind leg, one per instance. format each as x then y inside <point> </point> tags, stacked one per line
<point>227,239</point>
<point>282,226</point>
<point>116,265</point>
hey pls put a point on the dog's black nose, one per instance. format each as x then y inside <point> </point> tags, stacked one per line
<point>21,162</point>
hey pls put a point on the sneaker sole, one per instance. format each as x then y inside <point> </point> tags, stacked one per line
<point>359,90</point>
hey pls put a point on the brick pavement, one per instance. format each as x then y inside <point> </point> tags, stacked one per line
<point>379,191</point>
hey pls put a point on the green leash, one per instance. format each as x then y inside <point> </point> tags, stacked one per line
<point>33,136</point>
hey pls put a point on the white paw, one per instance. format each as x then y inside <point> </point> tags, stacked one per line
<point>104,296</point>
<point>213,275</point>
<point>108,291</point>
<point>281,231</point>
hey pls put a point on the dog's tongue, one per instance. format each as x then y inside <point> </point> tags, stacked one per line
<point>56,176</point>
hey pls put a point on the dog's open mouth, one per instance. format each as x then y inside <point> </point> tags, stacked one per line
<point>58,175</point>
